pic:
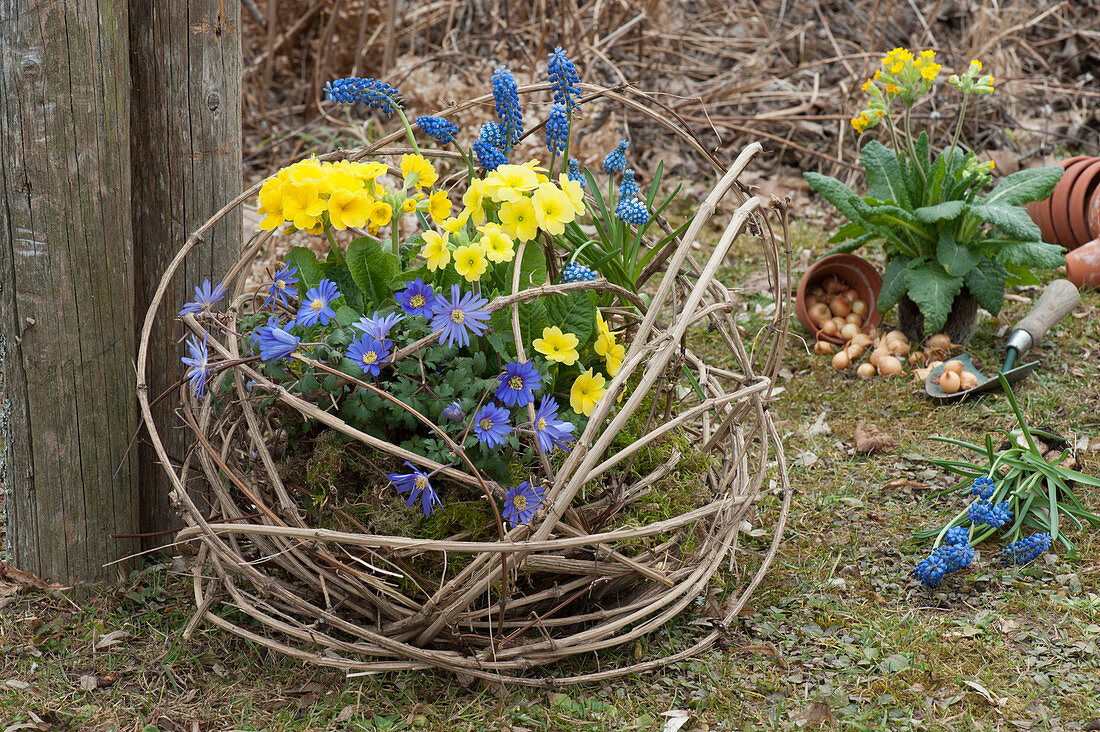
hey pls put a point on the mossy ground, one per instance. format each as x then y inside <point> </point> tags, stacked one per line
<point>837,621</point>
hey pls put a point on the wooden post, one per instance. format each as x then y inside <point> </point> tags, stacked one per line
<point>185,59</point>
<point>66,270</point>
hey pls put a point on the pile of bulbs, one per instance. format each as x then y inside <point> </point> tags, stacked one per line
<point>835,308</point>
<point>888,354</point>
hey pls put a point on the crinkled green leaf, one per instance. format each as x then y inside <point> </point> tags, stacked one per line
<point>1031,254</point>
<point>1024,186</point>
<point>934,291</point>
<point>956,260</point>
<point>986,282</point>
<point>893,282</point>
<point>1012,220</point>
<point>573,312</point>
<point>372,269</point>
<point>310,271</point>
<point>835,193</point>
<point>884,176</point>
<point>946,211</point>
<point>853,244</point>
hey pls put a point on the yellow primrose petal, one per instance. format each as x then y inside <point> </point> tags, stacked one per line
<point>470,262</point>
<point>271,204</point>
<point>380,214</point>
<point>892,89</point>
<point>586,391</point>
<point>498,247</point>
<point>928,54</point>
<point>310,168</point>
<point>418,171</point>
<point>558,346</point>
<point>302,202</point>
<point>454,225</point>
<point>897,68</point>
<point>348,208</point>
<point>369,171</point>
<point>474,200</point>
<point>439,206</point>
<point>535,165</point>
<point>509,182</point>
<point>435,250</point>
<point>518,219</point>
<point>553,209</point>
<point>573,189</point>
<point>614,359</point>
<point>409,205</point>
<point>339,176</point>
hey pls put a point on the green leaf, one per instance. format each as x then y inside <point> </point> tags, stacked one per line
<point>1024,186</point>
<point>893,282</point>
<point>850,230</point>
<point>1012,220</point>
<point>1031,254</point>
<point>884,177</point>
<point>934,291</point>
<point>310,271</point>
<point>574,313</point>
<point>345,315</point>
<point>853,244</point>
<point>956,260</point>
<point>946,211</point>
<point>986,281</point>
<point>836,193</point>
<point>533,268</point>
<point>889,219</point>
<point>338,273</point>
<point>373,271</point>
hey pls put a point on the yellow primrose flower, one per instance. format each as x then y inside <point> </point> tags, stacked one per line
<point>380,214</point>
<point>518,219</point>
<point>474,200</point>
<point>348,208</point>
<point>271,204</point>
<point>553,209</point>
<point>497,245</point>
<point>454,225</point>
<point>929,53</point>
<point>369,171</point>
<point>558,346</point>
<point>575,192</point>
<point>302,203</point>
<point>614,360</point>
<point>410,203</point>
<point>439,206</point>
<point>418,171</point>
<point>470,262</point>
<point>435,250</point>
<point>586,391</point>
<point>509,182</point>
<point>310,168</point>
<point>878,73</point>
<point>339,176</point>
<point>316,227</point>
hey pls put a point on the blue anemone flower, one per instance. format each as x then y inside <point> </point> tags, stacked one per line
<point>317,307</point>
<point>417,298</point>
<point>575,173</point>
<point>551,431</point>
<point>509,112</point>
<point>437,128</point>
<point>521,502</point>
<point>615,162</point>
<point>557,130</point>
<point>492,424</point>
<point>453,411</point>
<point>417,484</point>
<point>199,362</point>
<point>275,342</point>
<point>490,147</point>
<point>563,79</point>
<point>517,384</point>
<point>284,278</point>
<point>374,93</point>
<point>368,353</point>
<point>459,316</point>
<point>1026,550</point>
<point>378,326</point>
<point>206,296</point>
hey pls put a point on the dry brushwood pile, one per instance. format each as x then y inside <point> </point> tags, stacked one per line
<point>604,541</point>
<point>779,71</point>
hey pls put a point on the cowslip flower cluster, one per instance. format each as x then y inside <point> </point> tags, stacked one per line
<point>1026,550</point>
<point>309,194</point>
<point>972,80</point>
<point>902,75</point>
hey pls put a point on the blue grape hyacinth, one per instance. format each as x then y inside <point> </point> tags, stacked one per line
<point>574,272</point>
<point>628,188</point>
<point>956,535</point>
<point>557,130</point>
<point>509,111</point>
<point>942,561</point>
<point>490,147</point>
<point>632,211</point>
<point>375,93</point>
<point>437,128</point>
<point>983,487</point>
<point>1026,550</point>
<point>982,511</point>
<point>575,173</point>
<point>615,162</point>
<point>563,79</point>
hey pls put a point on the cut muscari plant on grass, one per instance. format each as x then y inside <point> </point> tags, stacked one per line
<point>940,230</point>
<point>1016,491</point>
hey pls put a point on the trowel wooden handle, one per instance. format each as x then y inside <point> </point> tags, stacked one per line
<point>1058,299</point>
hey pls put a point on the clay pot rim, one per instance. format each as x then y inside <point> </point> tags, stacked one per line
<point>1094,214</point>
<point>1059,201</point>
<point>874,285</point>
<point>1088,180</point>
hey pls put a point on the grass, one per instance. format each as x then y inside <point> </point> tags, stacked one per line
<point>837,621</point>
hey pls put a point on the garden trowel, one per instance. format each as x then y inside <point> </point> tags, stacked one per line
<point>1058,299</point>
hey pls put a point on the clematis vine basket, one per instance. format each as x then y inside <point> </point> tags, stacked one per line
<point>572,564</point>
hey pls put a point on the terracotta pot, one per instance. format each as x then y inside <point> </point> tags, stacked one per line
<point>1094,213</point>
<point>960,324</point>
<point>1040,210</point>
<point>1083,265</point>
<point>1083,189</point>
<point>858,273</point>
<point>1060,203</point>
